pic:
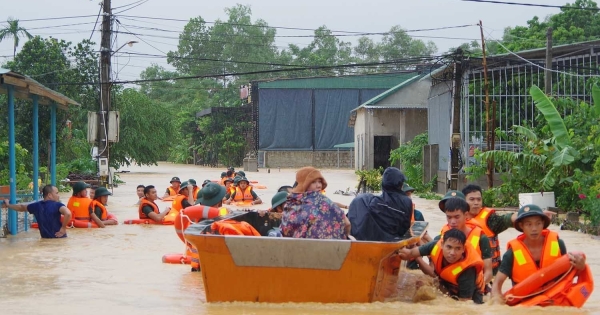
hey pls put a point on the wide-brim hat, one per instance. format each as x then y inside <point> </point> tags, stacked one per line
<point>183,186</point>
<point>530,211</point>
<point>241,173</point>
<point>79,187</point>
<point>448,195</point>
<point>102,191</point>
<point>243,179</point>
<point>211,194</point>
<point>407,188</point>
<point>278,199</point>
<point>305,176</point>
<point>192,182</point>
<point>175,179</point>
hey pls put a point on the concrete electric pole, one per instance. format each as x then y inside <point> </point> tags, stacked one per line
<point>105,95</point>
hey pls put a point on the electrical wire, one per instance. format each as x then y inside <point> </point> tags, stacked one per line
<point>119,23</point>
<point>135,6</point>
<point>126,5</point>
<point>97,18</point>
<point>538,66</point>
<point>231,74</point>
<point>312,35</point>
<point>54,18</point>
<point>533,5</point>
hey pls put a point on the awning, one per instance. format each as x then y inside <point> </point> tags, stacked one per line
<point>349,145</point>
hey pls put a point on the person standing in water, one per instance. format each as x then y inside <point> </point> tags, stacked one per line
<point>47,213</point>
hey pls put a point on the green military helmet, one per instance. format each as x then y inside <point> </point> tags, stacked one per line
<point>448,195</point>
<point>530,211</point>
<point>102,191</point>
<point>183,186</point>
<point>278,199</point>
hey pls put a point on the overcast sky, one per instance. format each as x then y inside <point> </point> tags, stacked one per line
<point>346,15</point>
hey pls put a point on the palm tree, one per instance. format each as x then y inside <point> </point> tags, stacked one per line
<point>14,30</point>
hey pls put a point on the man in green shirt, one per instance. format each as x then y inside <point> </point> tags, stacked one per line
<point>489,221</point>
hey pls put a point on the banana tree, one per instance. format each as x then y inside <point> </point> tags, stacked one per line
<point>543,163</point>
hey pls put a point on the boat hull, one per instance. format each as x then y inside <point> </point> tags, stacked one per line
<point>279,270</point>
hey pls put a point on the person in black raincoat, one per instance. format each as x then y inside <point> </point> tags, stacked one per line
<point>384,218</point>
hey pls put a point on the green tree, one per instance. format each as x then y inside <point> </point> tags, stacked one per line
<point>579,21</point>
<point>14,31</point>
<point>49,61</point>
<point>399,45</point>
<point>146,130</point>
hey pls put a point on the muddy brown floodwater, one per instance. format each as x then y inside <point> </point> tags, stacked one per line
<point>118,270</point>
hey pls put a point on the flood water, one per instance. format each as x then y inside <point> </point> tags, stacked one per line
<point>118,270</point>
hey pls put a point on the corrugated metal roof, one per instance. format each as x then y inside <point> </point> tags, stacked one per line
<point>372,81</point>
<point>25,86</point>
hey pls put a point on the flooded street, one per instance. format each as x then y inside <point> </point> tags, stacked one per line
<point>118,270</point>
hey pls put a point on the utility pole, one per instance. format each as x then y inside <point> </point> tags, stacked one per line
<point>547,72</point>
<point>489,124</point>
<point>455,140</point>
<point>105,95</point>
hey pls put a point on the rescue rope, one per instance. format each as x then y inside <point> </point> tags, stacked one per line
<point>511,297</point>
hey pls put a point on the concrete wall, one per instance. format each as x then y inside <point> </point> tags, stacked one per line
<point>414,95</point>
<point>359,139</point>
<point>402,124</point>
<point>319,159</point>
<point>438,121</point>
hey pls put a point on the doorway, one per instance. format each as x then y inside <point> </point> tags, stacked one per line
<point>382,146</point>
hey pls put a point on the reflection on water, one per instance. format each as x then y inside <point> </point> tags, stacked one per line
<point>118,270</point>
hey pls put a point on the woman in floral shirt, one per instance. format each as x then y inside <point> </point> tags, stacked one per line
<point>310,214</point>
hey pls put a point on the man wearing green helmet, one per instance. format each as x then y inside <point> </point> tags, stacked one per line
<point>98,212</point>
<point>536,248</point>
<point>244,193</point>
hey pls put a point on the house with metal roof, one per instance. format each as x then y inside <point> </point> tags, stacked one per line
<point>389,119</point>
<point>300,121</point>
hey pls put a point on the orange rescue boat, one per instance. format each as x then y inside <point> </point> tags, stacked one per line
<point>281,269</point>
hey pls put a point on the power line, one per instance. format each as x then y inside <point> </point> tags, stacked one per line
<point>126,5</point>
<point>533,5</point>
<point>55,18</point>
<point>137,5</point>
<point>97,18</point>
<point>312,35</point>
<point>119,23</point>
<point>57,26</point>
<point>333,67</point>
<point>209,59</point>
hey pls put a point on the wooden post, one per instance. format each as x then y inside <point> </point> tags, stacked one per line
<point>456,140</point>
<point>548,66</point>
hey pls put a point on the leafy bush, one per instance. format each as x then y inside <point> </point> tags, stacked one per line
<point>372,178</point>
<point>410,156</point>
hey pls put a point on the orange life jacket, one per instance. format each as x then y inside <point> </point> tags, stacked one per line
<point>245,195</point>
<point>473,237</point>
<point>412,216</point>
<point>172,191</point>
<point>177,203</point>
<point>523,264</point>
<point>481,221</point>
<point>449,274</point>
<point>195,192</point>
<point>80,207</point>
<point>95,203</point>
<point>558,284</point>
<point>232,227</point>
<point>146,202</point>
